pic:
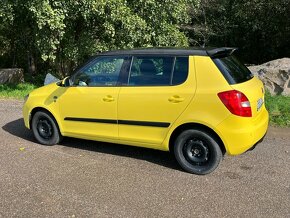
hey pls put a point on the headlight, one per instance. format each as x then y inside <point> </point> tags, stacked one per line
<point>25,98</point>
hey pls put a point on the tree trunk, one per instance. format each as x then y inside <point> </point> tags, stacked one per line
<point>31,64</point>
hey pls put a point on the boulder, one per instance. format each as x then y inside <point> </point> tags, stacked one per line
<point>13,75</point>
<point>49,78</point>
<point>275,75</point>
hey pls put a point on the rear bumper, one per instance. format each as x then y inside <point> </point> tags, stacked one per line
<point>255,145</point>
<point>240,134</point>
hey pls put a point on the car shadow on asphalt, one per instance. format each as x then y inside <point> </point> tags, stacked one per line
<point>162,158</point>
<point>18,129</point>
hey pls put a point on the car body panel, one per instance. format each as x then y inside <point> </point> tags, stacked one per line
<point>206,108</point>
<point>154,104</point>
<point>90,111</point>
<point>239,135</point>
<point>43,97</point>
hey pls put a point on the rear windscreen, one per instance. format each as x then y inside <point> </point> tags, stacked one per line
<point>233,70</point>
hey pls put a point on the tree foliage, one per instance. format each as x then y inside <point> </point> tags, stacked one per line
<point>57,35</point>
<point>260,28</point>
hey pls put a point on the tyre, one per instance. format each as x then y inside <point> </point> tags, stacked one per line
<point>45,129</point>
<point>197,152</point>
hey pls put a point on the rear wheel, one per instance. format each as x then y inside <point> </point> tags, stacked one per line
<point>197,152</point>
<point>45,129</point>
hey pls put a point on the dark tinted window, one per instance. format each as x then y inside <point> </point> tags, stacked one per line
<point>233,70</point>
<point>151,71</point>
<point>103,71</point>
<point>180,70</point>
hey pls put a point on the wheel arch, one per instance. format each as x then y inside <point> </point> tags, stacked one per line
<point>198,126</point>
<point>36,109</point>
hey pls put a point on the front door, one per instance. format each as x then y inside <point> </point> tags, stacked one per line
<point>88,107</point>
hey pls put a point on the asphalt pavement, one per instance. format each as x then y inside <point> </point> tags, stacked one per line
<point>80,178</point>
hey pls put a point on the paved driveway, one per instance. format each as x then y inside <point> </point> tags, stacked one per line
<point>90,179</point>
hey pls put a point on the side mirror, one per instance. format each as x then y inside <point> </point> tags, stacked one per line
<point>65,82</point>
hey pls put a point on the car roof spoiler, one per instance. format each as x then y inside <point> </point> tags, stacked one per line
<point>221,52</point>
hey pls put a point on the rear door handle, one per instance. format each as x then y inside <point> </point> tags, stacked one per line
<point>175,99</point>
<point>108,98</point>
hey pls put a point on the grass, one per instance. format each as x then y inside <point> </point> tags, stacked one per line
<point>279,109</point>
<point>16,91</point>
<point>278,106</point>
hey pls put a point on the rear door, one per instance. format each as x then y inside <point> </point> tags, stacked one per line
<point>157,92</point>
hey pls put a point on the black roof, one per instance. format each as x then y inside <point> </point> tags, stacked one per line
<point>212,52</point>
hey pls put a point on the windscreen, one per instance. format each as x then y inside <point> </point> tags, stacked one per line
<point>233,70</point>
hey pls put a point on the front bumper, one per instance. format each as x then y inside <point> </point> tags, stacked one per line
<point>26,115</point>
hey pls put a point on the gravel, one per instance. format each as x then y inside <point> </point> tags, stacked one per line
<point>80,178</point>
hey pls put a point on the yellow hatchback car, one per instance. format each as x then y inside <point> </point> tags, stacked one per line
<point>197,103</point>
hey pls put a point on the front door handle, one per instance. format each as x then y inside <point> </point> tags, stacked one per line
<point>175,99</point>
<point>108,98</point>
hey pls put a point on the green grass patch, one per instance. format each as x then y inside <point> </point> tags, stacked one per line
<point>16,91</point>
<point>279,109</point>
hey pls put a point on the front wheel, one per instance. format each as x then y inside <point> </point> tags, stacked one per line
<point>45,129</point>
<point>197,152</point>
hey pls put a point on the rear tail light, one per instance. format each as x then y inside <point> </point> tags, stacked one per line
<point>236,102</point>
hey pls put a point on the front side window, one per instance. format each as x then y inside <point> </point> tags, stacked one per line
<point>103,71</point>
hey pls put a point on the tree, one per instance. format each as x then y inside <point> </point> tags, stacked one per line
<point>260,28</point>
<point>58,35</point>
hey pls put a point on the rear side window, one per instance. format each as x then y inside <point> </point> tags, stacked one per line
<point>233,70</point>
<point>158,71</point>
<point>151,71</point>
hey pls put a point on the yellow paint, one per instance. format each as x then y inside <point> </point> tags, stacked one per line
<point>89,102</point>
<point>194,101</point>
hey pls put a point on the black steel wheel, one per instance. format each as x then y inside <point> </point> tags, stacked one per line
<point>197,152</point>
<point>45,129</point>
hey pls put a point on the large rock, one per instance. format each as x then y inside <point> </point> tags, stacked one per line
<point>275,75</point>
<point>13,75</point>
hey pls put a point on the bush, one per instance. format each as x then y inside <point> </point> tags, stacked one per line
<point>16,91</point>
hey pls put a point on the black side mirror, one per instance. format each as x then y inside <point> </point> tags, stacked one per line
<point>64,83</point>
